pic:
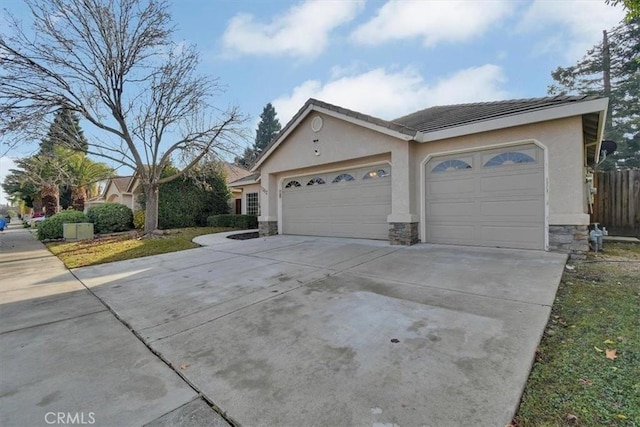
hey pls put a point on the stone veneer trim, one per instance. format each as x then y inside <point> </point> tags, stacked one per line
<point>569,239</point>
<point>403,233</point>
<point>267,228</point>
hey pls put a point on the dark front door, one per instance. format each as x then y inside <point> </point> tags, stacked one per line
<point>238,206</point>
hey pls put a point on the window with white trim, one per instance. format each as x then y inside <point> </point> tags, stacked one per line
<point>253,204</point>
<point>343,177</point>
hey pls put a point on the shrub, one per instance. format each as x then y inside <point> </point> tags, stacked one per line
<point>110,217</point>
<point>138,220</point>
<point>188,201</point>
<point>51,228</point>
<point>244,222</point>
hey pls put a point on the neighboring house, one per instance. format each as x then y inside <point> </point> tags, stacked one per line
<point>246,195</point>
<point>502,174</point>
<point>120,189</point>
<point>234,173</point>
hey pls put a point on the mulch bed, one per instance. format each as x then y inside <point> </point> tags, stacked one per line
<point>244,236</point>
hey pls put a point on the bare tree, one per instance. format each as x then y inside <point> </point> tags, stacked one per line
<point>113,63</point>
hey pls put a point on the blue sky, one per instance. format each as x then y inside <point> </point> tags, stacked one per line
<point>384,58</point>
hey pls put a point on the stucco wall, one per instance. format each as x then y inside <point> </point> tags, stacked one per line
<point>565,152</point>
<point>340,145</point>
<point>343,145</point>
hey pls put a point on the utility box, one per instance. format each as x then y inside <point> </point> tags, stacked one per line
<point>78,231</point>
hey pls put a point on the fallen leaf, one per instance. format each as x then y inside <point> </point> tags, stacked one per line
<point>611,354</point>
<point>571,419</point>
<point>621,416</point>
<point>608,342</point>
<point>184,366</point>
<point>395,340</point>
<point>599,350</point>
<point>585,381</point>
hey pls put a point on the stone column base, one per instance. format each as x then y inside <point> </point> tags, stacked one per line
<point>569,239</point>
<point>403,233</point>
<point>267,228</point>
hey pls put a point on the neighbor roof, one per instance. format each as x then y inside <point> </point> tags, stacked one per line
<point>249,179</point>
<point>234,172</point>
<point>448,121</point>
<point>121,182</point>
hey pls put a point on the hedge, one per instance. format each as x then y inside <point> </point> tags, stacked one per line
<point>52,227</point>
<point>110,218</point>
<point>243,222</point>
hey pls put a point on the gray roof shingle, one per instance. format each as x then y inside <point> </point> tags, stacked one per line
<point>448,116</point>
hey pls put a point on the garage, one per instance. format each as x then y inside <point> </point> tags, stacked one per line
<point>346,203</point>
<point>487,198</point>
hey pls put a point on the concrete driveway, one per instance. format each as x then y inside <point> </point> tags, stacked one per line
<point>293,330</point>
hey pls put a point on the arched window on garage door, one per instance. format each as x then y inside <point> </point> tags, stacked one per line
<point>292,183</point>
<point>376,174</point>
<point>343,177</point>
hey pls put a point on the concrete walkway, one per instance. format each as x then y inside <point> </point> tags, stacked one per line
<point>66,359</point>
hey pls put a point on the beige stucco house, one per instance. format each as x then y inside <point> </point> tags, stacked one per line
<point>120,189</point>
<point>500,174</point>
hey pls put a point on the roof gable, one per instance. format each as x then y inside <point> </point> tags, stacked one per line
<point>441,122</point>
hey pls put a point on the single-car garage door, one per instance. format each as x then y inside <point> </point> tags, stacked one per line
<point>349,203</point>
<point>487,198</point>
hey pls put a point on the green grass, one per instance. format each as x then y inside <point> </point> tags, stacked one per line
<point>118,248</point>
<point>597,308</point>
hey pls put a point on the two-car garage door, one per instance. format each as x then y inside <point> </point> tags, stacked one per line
<point>487,198</point>
<point>348,203</point>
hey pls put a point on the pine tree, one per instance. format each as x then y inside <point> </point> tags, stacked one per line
<point>65,131</point>
<point>268,127</point>
<point>611,69</point>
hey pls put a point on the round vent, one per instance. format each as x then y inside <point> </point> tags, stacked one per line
<point>316,124</point>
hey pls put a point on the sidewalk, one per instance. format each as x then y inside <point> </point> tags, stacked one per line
<point>66,359</point>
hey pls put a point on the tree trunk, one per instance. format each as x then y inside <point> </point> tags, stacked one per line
<point>50,194</point>
<point>151,207</point>
<point>78,198</point>
<point>37,203</point>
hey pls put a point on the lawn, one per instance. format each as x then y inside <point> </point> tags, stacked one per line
<point>126,246</point>
<point>587,368</point>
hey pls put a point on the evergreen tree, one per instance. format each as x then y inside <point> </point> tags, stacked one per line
<point>611,69</point>
<point>268,128</point>
<point>65,131</point>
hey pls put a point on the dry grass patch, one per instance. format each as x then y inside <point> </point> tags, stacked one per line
<point>126,246</point>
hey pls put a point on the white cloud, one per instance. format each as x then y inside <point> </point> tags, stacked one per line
<point>570,26</point>
<point>302,31</point>
<point>433,21</point>
<point>390,94</point>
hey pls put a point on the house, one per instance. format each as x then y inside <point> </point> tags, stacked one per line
<point>506,174</point>
<point>126,190</point>
<point>120,189</point>
<point>234,173</point>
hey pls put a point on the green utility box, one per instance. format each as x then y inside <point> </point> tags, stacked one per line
<point>78,231</point>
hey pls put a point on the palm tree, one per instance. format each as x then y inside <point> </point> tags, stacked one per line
<point>81,175</point>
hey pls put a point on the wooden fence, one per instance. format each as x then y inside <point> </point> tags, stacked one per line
<point>617,201</point>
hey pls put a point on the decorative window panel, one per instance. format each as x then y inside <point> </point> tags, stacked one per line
<point>509,158</point>
<point>292,183</point>
<point>316,181</point>
<point>451,165</point>
<point>376,174</point>
<point>343,177</point>
<point>253,205</point>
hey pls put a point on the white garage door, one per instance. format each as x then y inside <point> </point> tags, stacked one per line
<point>487,198</point>
<point>350,203</point>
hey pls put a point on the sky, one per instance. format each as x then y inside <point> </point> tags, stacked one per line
<point>382,58</point>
